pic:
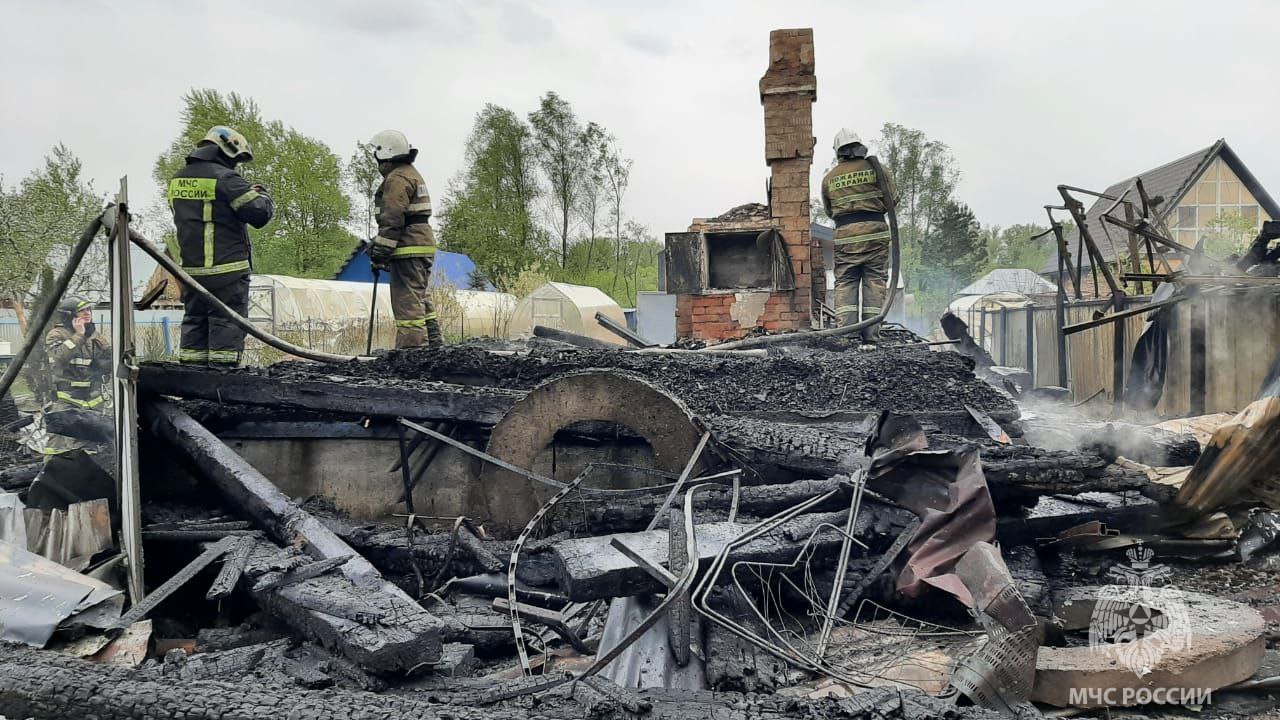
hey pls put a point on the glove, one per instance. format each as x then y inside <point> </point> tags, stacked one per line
<point>262,191</point>
<point>380,254</point>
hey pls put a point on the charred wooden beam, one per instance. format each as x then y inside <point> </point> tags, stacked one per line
<point>1012,471</point>
<point>413,637</point>
<point>20,477</point>
<point>232,568</point>
<point>350,396</point>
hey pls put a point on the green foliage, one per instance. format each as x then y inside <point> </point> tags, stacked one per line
<point>925,174</point>
<point>488,210</point>
<point>620,270</point>
<point>1229,233</point>
<point>564,151</point>
<point>513,168</point>
<point>362,179</point>
<point>307,237</point>
<point>40,219</point>
<point>954,254</point>
<point>1013,247</point>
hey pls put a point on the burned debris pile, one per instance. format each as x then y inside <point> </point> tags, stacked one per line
<point>537,530</point>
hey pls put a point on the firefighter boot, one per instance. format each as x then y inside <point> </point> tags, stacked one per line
<point>434,338</point>
<point>871,336</point>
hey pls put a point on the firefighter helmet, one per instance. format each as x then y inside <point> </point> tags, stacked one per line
<point>845,137</point>
<point>231,143</point>
<point>392,145</point>
<point>69,308</point>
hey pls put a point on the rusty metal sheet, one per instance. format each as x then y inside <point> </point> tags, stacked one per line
<point>946,490</point>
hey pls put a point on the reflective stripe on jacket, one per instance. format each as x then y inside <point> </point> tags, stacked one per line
<point>852,186</point>
<point>211,205</point>
<point>404,206</point>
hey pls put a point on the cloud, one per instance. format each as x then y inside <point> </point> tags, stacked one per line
<point>650,43</point>
<point>523,25</point>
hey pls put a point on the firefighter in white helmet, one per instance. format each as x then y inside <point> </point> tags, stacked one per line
<point>852,197</point>
<point>405,244</point>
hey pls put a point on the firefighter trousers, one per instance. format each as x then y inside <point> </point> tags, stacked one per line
<point>207,336</point>
<point>861,265</point>
<point>411,300</point>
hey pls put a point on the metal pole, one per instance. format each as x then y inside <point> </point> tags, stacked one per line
<point>1061,321</point>
<point>1117,363</point>
<point>373,315</point>
<point>1031,343</point>
<point>124,366</point>
<point>982,328</point>
<point>1004,336</point>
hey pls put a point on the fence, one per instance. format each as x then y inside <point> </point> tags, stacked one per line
<point>155,337</point>
<point>1235,335</point>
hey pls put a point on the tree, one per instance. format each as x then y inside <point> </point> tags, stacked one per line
<point>562,154</point>
<point>488,211</point>
<point>925,174</point>
<point>954,254</point>
<point>40,219</point>
<point>593,192</point>
<point>307,237</point>
<point>1013,247</point>
<point>617,176</point>
<point>1228,233</point>
<point>362,180</point>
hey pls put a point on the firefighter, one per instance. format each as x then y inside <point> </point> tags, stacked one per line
<point>405,244</point>
<point>79,363</point>
<point>211,205</point>
<point>852,197</point>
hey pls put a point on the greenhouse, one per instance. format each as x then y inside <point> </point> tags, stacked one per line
<point>567,307</point>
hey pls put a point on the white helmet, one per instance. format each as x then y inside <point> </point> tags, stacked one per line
<point>845,137</point>
<point>391,144</point>
<point>231,143</point>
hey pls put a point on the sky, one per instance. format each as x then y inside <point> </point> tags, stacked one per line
<point>1027,94</point>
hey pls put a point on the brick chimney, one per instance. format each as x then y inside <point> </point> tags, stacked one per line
<point>787,92</point>
<point>727,277</point>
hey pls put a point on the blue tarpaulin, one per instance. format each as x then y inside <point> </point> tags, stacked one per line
<point>449,269</point>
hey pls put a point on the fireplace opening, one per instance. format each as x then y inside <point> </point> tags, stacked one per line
<point>734,262</point>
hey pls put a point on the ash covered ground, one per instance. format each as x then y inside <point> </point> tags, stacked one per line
<point>797,380</point>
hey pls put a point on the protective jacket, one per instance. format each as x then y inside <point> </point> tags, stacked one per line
<point>78,366</point>
<point>851,193</point>
<point>211,204</point>
<point>404,207</point>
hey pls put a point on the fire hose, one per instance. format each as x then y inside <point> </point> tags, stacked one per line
<point>282,345</point>
<point>895,257</point>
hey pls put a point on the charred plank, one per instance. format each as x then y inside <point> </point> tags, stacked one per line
<point>415,636</point>
<point>420,400</point>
